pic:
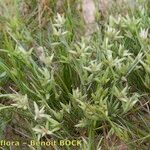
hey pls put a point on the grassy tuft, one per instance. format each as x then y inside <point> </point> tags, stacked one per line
<point>56,83</point>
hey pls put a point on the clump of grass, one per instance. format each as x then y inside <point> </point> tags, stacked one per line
<point>67,86</point>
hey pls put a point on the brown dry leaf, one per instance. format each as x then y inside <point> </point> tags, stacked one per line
<point>59,6</point>
<point>89,12</point>
<point>104,6</point>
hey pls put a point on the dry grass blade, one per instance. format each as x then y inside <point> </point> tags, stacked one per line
<point>43,5</point>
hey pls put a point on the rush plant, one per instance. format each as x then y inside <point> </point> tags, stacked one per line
<point>56,84</point>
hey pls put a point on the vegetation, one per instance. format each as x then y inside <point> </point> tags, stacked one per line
<point>58,83</point>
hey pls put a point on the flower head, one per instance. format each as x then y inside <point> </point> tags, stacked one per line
<point>20,101</point>
<point>39,113</point>
<point>144,33</point>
